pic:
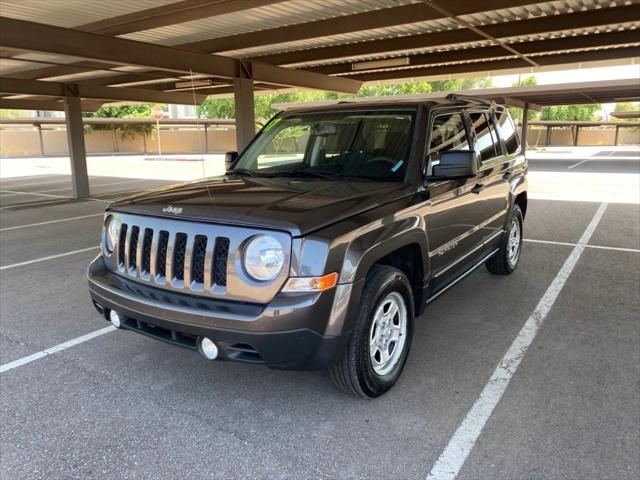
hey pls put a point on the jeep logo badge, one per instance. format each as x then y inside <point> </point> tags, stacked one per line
<point>171,209</point>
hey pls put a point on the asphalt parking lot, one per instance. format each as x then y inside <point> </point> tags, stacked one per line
<point>124,406</point>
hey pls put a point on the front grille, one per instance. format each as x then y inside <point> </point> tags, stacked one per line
<point>178,259</point>
<point>121,243</point>
<point>220,261</point>
<point>179,255</point>
<point>146,251</point>
<point>193,258</point>
<point>199,253</point>
<point>163,243</point>
<point>132,262</point>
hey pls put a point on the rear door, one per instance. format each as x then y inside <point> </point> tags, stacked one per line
<point>492,184</point>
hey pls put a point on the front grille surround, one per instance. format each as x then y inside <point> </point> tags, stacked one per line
<point>193,258</point>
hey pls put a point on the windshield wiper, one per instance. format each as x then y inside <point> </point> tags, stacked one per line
<point>243,171</point>
<point>316,173</point>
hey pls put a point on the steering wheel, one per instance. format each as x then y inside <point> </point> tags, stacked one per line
<point>381,159</point>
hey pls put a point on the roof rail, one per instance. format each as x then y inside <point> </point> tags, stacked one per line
<point>454,97</point>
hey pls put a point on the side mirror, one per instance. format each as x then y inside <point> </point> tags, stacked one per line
<point>456,164</point>
<point>229,158</point>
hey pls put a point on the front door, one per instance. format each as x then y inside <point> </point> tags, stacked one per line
<point>453,213</point>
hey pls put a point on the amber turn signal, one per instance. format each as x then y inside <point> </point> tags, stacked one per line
<point>311,284</point>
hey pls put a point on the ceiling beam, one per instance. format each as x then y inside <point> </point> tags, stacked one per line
<point>55,89</point>
<point>506,64</point>
<point>533,26</point>
<point>49,105</point>
<point>38,37</point>
<point>463,23</point>
<point>387,17</point>
<point>493,52</point>
<point>171,14</point>
<point>56,70</point>
<point>382,18</point>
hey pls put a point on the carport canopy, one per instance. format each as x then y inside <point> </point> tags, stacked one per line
<point>79,54</point>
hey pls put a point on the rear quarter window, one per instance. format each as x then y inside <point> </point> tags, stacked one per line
<point>508,132</point>
<point>486,143</point>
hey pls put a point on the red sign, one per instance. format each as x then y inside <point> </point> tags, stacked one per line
<point>157,113</point>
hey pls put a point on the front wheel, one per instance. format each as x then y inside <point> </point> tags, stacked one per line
<point>380,341</point>
<point>505,261</point>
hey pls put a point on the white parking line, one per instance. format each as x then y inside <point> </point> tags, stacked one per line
<point>577,164</point>
<point>43,178</point>
<point>93,185</point>
<point>50,203</point>
<point>51,221</point>
<point>20,186</point>
<point>56,348</point>
<point>31,193</point>
<point>568,244</point>
<point>50,257</point>
<point>463,440</point>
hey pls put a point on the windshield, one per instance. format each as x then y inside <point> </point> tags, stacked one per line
<point>372,145</point>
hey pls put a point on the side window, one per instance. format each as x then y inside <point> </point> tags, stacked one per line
<point>508,132</point>
<point>485,142</point>
<point>448,133</point>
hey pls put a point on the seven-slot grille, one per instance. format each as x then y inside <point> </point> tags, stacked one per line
<point>183,260</point>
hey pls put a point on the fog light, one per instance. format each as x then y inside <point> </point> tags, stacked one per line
<point>115,319</point>
<point>208,348</point>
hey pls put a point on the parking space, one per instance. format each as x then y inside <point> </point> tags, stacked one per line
<point>572,410</point>
<point>17,192</point>
<point>124,406</point>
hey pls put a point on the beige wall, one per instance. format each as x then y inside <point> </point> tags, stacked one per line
<point>25,143</point>
<point>536,136</point>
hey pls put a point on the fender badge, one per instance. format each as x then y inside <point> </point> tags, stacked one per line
<point>171,209</point>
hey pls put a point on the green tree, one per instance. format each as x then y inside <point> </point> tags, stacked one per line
<point>11,113</point>
<point>586,112</point>
<point>529,81</point>
<point>137,110</point>
<point>627,107</point>
<point>461,84</point>
<point>217,108</point>
<point>224,107</point>
<point>516,113</point>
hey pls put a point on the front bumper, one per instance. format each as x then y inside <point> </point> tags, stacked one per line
<point>305,331</point>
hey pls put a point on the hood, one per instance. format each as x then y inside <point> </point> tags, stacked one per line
<point>298,206</point>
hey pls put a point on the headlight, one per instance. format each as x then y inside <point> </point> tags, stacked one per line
<point>263,258</point>
<point>110,235</point>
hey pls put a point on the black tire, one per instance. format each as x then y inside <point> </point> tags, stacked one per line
<point>354,372</point>
<point>502,263</point>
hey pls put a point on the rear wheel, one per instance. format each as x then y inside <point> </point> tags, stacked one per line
<point>379,345</point>
<point>505,261</point>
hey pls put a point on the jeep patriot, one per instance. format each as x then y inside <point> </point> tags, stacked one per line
<point>325,239</point>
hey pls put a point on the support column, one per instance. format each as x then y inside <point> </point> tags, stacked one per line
<point>77,152</point>
<point>39,125</point>
<point>525,126</point>
<point>245,114</point>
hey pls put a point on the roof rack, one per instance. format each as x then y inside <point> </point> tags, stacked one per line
<point>454,97</point>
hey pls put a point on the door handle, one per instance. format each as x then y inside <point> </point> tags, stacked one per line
<point>478,188</point>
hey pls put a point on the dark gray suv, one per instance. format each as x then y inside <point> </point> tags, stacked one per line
<point>324,240</point>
